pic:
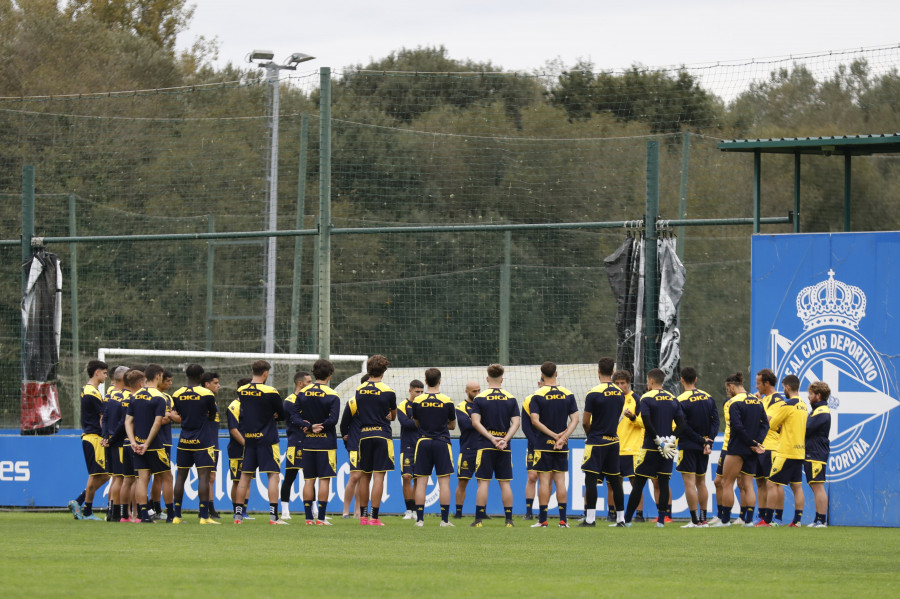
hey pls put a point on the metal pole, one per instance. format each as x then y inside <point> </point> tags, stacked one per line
<point>682,203</point>
<point>27,235</point>
<point>650,252</point>
<point>210,275</point>
<point>324,212</point>
<point>847,176</point>
<point>796,192</point>
<point>272,225</point>
<point>73,275</point>
<point>298,242</point>
<point>757,165</point>
<point>315,295</point>
<point>505,272</point>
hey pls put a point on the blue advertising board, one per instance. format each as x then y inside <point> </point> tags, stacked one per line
<point>825,307</point>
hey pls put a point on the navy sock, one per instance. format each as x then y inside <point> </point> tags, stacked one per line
<point>458,510</point>
<point>542,513</point>
<point>562,512</point>
<point>507,511</point>
<point>420,512</point>
<point>479,512</point>
<point>204,510</point>
<point>80,498</point>
<point>778,514</point>
<point>529,501</point>
<point>323,505</point>
<point>88,509</point>
<point>410,505</point>
<point>820,517</point>
<point>307,507</point>
<point>445,512</point>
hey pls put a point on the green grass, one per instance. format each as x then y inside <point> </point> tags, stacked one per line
<point>54,555</point>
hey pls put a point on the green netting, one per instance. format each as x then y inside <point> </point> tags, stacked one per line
<point>425,149</point>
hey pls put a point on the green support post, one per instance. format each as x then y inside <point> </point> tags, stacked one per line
<point>324,266</point>
<point>757,166</point>
<point>27,235</point>
<point>210,274</point>
<point>651,292</point>
<point>682,202</point>
<point>847,176</point>
<point>505,292</point>
<point>315,294</point>
<point>73,277</point>
<point>298,241</point>
<point>796,192</point>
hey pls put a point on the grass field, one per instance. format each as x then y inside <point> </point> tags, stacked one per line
<point>54,555</point>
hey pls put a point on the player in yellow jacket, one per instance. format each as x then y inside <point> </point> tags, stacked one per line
<point>787,460</point>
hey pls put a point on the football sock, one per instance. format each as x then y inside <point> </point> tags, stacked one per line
<point>80,498</point>
<point>157,507</point>
<point>703,515</point>
<point>562,512</point>
<point>307,507</point>
<point>590,515</point>
<point>779,514</point>
<point>694,518</point>
<point>273,512</point>
<point>375,512</point>
<point>204,510</point>
<point>170,512</point>
<point>420,512</point>
<point>235,509</point>
<point>177,508</point>
<point>479,512</point>
<point>725,516</point>
<point>768,515</point>
<point>364,512</point>
<point>88,509</point>
<point>323,505</point>
<point>212,506</point>
<point>820,518</point>
<point>749,517</point>
<point>507,511</point>
<point>445,512</point>
<point>542,513</point>
<point>798,515</point>
<point>410,505</point>
<point>458,510</point>
<point>529,501</point>
<point>144,509</point>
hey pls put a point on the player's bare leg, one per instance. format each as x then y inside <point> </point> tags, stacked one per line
<point>350,494</point>
<point>461,485</point>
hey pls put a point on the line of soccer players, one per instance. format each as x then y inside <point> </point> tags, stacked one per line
<point>771,438</point>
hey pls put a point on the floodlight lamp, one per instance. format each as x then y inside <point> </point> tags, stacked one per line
<point>261,55</point>
<point>298,57</point>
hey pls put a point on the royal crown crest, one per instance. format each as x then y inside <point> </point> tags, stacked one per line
<point>831,303</point>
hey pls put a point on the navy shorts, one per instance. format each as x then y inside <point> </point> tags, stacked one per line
<point>123,461</point>
<point>319,463</point>
<point>94,454</point>
<point>433,455</point>
<point>201,458</point>
<point>408,460</point>
<point>551,461</point>
<point>786,471</point>
<point>764,464</point>
<point>815,471</point>
<point>154,460</point>
<point>353,458</point>
<point>376,454</point>
<point>650,463</point>
<point>466,464</point>
<point>493,463</point>
<point>293,457</point>
<point>751,464</point>
<point>602,460</point>
<point>265,457</point>
<point>692,461</point>
<point>626,465</point>
<point>721,462</point>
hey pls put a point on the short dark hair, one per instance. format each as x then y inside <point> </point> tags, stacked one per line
<point>432,377</point>
<point>606,366</point>
<point>208,377</point>
<point>689,375</point>
<point>495,371</point>
<point>95,365</point>
<point>621,375</point>
<point>657,376</point>
<point>133,377</point>
<point>735,379</point>
<point>416,384</point>
<point>548,369</point>
<point>260,367</point>
<point>791,382</point>
<point>821,389</point>
<point>153,370</point>
<point>767,376</point>
<point>243,381</point>
<point>322,369</point>
<point>300,375</point>
<point>193,372</point>
<point>364,378</point>
<point>377,365</point>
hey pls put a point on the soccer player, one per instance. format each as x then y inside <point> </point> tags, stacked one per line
<point>532,474</point>
<point>319,410</point>
<point>603,408</point>
<point>349,428</point>
<point>466,460</point>
<point>749,425</point>
<point>91,441</point>
<point>435,416</point>
<point>701,415</point>
<point>165,433</point>
<point>210,380</point>
<point>134,382</point>
<point>495,416</point>
<point>235,451</point>
<point>787,462</point>
<point>142,424</point>
<point>409,435</point>
<point>660,411</point>
<point>114,424</point>
<point>551,406</point>
<point>817,449</point>
<point>294,455</point>
<point>631,436</point>
<point>261,407</point>
<point>196,405</point>
<point>770,495</point>
<point>376,407</point>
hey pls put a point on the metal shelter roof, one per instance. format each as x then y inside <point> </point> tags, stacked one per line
<point>844,145</point>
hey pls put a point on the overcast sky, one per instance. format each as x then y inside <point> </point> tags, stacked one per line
<point>523,35</point>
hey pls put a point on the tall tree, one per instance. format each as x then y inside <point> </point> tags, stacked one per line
<point>157,20</point>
